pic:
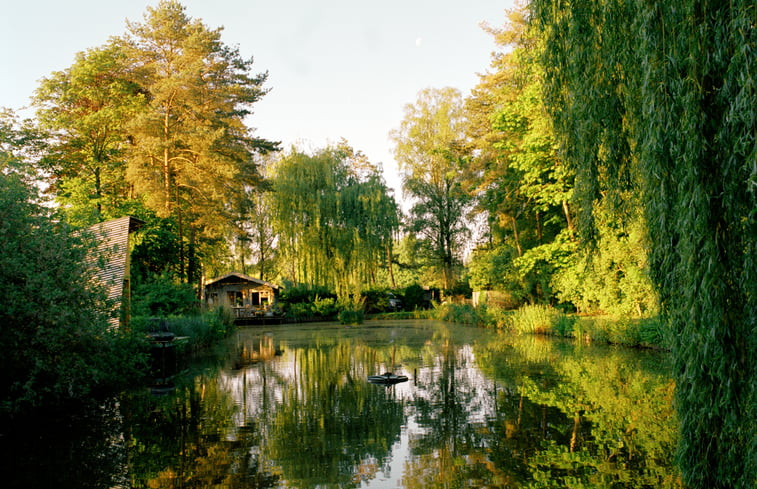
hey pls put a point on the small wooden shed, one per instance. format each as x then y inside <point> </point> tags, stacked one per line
<point>246,296</point>
<point>114,272</point>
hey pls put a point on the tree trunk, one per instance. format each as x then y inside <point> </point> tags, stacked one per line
<point>98,194</point>
<point>568,219</point>
<point>574,435</point>
<point>389,264</point>
<point>516,236</point>
<point>167,157</point>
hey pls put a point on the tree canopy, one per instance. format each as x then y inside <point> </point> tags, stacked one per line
<point>335,218</point>
<point>154,122</point>
<point>431,150</point>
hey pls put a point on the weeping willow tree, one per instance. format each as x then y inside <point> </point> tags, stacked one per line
<point>334,218</point>
<point>659,98</point>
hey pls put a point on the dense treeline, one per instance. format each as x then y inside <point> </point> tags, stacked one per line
<point>153,124</point>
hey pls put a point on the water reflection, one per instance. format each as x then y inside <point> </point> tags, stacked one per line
<point>291,407</point>
<point>65,450</point>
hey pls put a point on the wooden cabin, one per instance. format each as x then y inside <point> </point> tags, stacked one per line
<point>114,270</point>
<point>247,296</point>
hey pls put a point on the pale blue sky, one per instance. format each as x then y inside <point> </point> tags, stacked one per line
<point>337,69</point>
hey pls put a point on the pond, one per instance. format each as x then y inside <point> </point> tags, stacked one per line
<point>290,407</point>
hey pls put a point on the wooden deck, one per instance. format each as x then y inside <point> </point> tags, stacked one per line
<point>255,316</point>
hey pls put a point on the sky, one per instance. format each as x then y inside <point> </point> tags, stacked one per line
<point>336,68</point>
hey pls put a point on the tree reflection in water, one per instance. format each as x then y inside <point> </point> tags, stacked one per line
<point>291,407</point>
<point>62,450</point>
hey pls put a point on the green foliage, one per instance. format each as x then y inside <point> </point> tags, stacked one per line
<point>203,330</point>
<point>163,296</point>
<point>658,98</point>
<point>352,311</point>
<point>19,141</point>
<point>155,120</point>
<point>56,342</point>
<point>536,319</point>
<point>492,268</point>
<point>611,277</point>
<point>84,109</point>
<point>324,307</point>
<point>430,150</point>
<point>334,216</point>
<point>305,304</point>
<point>414,297</point>
<point>460,288</point>
<point>376,299</point>
<point>304,293</point>
<point>523,188</point>
<point>459,313</point>
<point>156,249</point>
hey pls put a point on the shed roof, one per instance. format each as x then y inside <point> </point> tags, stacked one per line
<point>242,277</point>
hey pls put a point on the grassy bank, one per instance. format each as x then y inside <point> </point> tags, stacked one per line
<point>416,314</point>
<point>546,320</point>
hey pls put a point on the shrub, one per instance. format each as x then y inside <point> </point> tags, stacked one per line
<point>352,312</point>
<point>376,300</point>
<point>325,308</point>
<point>304,293</point>
<point>299,311</point>
<point>458,313</point>
<point>57,346</point>
<point>164,297</point>
<point>563,325</point>
<point>414,297</point>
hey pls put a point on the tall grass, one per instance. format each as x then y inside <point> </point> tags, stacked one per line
<point>201,330</point>
<point>546,320</point>
<point>537,319</point>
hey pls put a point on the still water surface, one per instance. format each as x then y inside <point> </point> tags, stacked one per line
<point>290,407</point>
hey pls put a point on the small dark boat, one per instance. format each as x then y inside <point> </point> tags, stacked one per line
<point>387,378</point>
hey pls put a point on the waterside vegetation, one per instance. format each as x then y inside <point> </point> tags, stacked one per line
<point>546,320</point>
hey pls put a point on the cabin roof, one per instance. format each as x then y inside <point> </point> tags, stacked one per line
<point>242,277</point>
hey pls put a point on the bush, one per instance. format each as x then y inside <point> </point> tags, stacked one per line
<point>414,297</point>
<point>376,300</point>
<point>163,297</point>
<point>352,312</point>
<point>298,311</point>
<point>57,346</point>
<point>304,293</point>
<point>325,308</point>
<point>459,313</point>
<point>461,288</point>
<point>320,309</point>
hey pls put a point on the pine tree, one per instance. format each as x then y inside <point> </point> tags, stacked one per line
<point>192,152</point>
